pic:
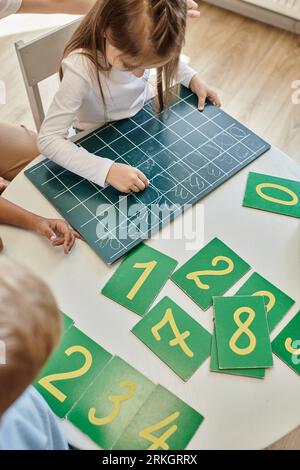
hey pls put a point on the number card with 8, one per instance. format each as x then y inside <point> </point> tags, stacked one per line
<point>287,344</point>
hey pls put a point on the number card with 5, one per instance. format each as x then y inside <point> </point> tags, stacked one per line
<point>287,344</point>
<point>164,422</point>
<point>139,278</point>
<point>211,272</point>
<point>70,370</point>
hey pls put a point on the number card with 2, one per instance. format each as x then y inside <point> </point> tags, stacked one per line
<point>70,370</point>
<point>287,344</point>
<point>273,194</point>
<point>175,337</point>
<point>111,402</point>
<point>164,422</point>
<point>67,322</point>
<point>242,333</point>
<point>139,278</point>
<point>211,272</point>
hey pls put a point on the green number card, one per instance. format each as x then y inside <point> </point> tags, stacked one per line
<point>242,333</point>
<point>164,422</point>
<point>139,278</point>
<point>269,193</point>
<point>287,344</point>
<point>277,302</point>
<point>67,322</point>
<point>211,272</point>
<point>111,402</point>
<point>175,337</point>
<point>214,365</point>
<point>70,370</point>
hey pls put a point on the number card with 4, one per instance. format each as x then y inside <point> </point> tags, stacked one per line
<point>277,302</point>
<point>164,422</point>
<point>273,194</point>
<point>70,370</point>
<point>139,278</point>
<point>287,344</point>
<point>211,272</point>
<point>242,333</point>
<point>175,337</point>
<point>111,402</point>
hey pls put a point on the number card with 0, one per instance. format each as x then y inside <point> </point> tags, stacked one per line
<point>287,344</point>
<point>70,370</point>
<point>273,194</point>
<point>139,278</point>
<point>111,402</point>
<point>175,337</point>
<point>242,333</point>
<point>164,422</point>
<point>211,272</point>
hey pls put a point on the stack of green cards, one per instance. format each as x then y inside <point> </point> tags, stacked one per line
<point>287,344</point>
<point>139,278</point>
<point>269,193</point>
<point>175,337</point>
<point>211,272</point>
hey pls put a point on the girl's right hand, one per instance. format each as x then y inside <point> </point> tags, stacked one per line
<point>126,178</point>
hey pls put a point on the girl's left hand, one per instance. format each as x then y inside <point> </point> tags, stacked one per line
<point>204,92</point>
<point>58,232</point>
<point>193,9</point>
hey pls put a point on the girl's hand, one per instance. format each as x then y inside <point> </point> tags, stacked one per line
<point>3,184</point>
<point>126,178</point>
<point>58,232</point>
<point>204,92</point>
<point>193,9</point>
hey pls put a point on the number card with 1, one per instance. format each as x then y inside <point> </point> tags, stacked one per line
<point>70,370</point>
<point>287,344</point>
<point>273,194</point>
<point>139,278</point>
<point>175,337</point>
<point>277,302</point>
<point>242,333</point>
<point>164,422</point>
<point>111,402</point>
<point>211,272</point>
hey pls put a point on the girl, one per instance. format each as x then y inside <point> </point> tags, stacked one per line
<point>105,75</point>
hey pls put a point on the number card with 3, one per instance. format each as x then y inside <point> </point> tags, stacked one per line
<point>175,337</point>
<point>111,402</point>
<point>211,272</point>
<point>242,333</point>
<point>70,370</point>
<point>273,194</point>
<point>287,344</point>
<point>164,422</point>
<point>139,278</point>
<point>277,302</point>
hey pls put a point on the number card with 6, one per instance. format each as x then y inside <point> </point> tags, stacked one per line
<point>287,344</point>
<point>164,422</point>
<point>139,278</point>
<point>211,272</point>
<point>111,402</point>
<point>175,337</point>
<point>242,333</point>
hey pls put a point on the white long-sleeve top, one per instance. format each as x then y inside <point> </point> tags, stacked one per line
<point>78,103</point>
<point>8,7</point>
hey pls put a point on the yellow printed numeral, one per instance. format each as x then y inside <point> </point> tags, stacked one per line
<point>243,328</point>
<point>288,346</point>
<point>195,276</point>
<point>179,337</point>
<point>117,402</point>
<point>148,267</point>
<point>271,297</point>
<point>46,381</point>
<point>160,442</point>
<point>292,202</point>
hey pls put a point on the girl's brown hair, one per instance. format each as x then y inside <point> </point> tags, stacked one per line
<point>134,27</point>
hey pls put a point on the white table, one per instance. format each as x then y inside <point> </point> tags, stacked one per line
<point>240,413</point>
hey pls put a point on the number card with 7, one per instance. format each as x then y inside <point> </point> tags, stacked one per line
<point>287,344</point>
<point>164,422</point>
<point>242,333</point>
<point>113,399</point>
<point>139,278</point>
<point>211,272</point>
<point>70,370</point>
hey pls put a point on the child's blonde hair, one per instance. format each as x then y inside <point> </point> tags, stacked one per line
<point>29,329</point>
<point>134,27</point>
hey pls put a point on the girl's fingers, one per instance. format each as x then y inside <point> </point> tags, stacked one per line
<point>139,183</point>
<point>143,178</point>
<point>135,189</point>
<point>201,102</point>
<point>215,100</point>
